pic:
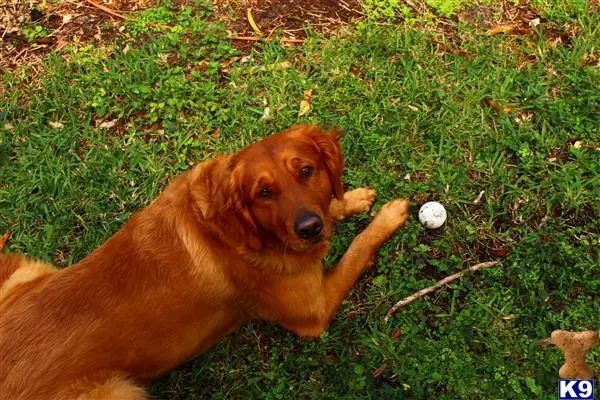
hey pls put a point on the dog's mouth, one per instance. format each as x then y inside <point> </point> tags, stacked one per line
<point>304,245</point>
<point>316,239</point>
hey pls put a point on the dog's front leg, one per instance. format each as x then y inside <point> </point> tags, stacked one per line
<point>312,304</point>
<point>354,202</point>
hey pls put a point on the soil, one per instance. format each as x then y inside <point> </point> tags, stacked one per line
<point>292,17</point>
<point>83,22</point>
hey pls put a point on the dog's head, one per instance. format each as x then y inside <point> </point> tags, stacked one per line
<point>280,188</point>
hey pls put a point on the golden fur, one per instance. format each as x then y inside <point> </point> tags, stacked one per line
<point>206,256</point>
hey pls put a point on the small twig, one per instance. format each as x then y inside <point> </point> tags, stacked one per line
<point>108,10</point>
<point>438,285</point>
<point>258,39</point>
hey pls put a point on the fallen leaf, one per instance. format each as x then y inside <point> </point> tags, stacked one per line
<point>271,67</point>
<point>56,125</point>
<point>67,18</point>
<point>108,124</point>
<point>494,30</point>
<point>253,23</point>
<point>8,126</point>
<point>305,103</point>
<point>498,107</point>
<point>379,370</point>
<point>3,239</point>
<point>500,252</point>
<point>60,44</point>
<point>493,104</point>
<point>523,117</point>
<point>407,177</point>
<point>396,334</point>
<point>534,22</point>
<point>216,133</point>
<point>266,114</point>
<point>577,145</point>
<point>126,49</point>
<point>479,196</point>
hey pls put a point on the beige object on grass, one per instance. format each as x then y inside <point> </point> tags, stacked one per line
<point>574,345</point>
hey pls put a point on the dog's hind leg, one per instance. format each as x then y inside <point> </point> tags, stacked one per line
<point>16,270</point>
<point>103,387</point>
<point>9,263</point>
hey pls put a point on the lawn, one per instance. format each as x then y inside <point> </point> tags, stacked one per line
<point>431,108</point>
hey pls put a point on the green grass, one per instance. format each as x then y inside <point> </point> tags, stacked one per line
<point>406,107</point>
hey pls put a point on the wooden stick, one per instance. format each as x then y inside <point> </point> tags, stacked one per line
<point>257,39</point>
<point>108,10</point>
<point>438,285</point>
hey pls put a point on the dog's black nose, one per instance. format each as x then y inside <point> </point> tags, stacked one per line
<point>308,226</point>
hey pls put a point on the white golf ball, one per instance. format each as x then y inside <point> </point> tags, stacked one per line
<point>432,215</point>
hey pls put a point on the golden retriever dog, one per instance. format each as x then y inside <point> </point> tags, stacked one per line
<point>235,238</point>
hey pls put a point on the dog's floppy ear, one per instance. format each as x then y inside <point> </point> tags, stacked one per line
<point>217,195</point>
<point>331,151</point>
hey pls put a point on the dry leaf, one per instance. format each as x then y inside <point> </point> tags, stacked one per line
<point>493,104</point>
<point>126,49</point>
<point>494,30</point>
<point>56,125</point>
<point>67,18</point>
<point>407,177</point>
<point>8,126</point>
<point>271,67</point>
<point>379,370</point>
<point>216,133</point>
<point>253,23</point>
<point>479,196</point>
<point>577,145</point>
<point>305,103</point>
<point>266,114</point>
<point>498,107</point>
<point>534,22</point>
<point>499,252</point>
<point>60,44</point>
<point>3,239</point>
<point>108,124</point>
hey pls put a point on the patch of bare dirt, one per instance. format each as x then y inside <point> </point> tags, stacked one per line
<point>292,17</point>
<point>30,30</point>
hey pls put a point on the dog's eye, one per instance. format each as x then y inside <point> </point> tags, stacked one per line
<point>305,172</point>
<point>265,194</point>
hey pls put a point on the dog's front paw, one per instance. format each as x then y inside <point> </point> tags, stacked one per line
<point>392,216</point>
<point>358,200</point>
